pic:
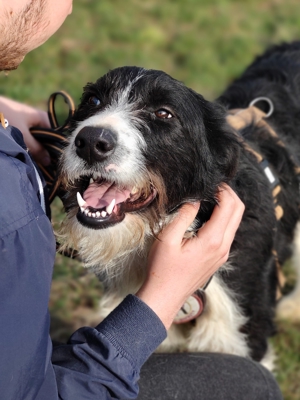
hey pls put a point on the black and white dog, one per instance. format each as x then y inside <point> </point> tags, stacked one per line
<point>143,144</point>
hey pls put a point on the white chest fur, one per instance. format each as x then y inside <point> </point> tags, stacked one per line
<point>216,330</point>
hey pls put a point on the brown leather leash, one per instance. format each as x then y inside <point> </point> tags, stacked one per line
<point>54,140</point>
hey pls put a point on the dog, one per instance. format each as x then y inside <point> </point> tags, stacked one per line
<point>143,144</point>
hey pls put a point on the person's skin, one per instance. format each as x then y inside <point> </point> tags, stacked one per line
<point>25,117</point>
<point>176,267</point>
<point>26,24</point>
<point>43,18</point>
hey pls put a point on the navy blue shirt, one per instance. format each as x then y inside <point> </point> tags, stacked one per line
<point>96,363</point>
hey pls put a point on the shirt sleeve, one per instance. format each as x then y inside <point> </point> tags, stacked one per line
<point>104,362</point>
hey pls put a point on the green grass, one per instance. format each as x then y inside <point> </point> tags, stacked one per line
<point>287,347</point>
<point>205,43</point>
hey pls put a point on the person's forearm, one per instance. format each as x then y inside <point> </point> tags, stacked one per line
<point>106,360</point>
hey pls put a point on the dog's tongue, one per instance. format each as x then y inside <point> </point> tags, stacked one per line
<point>99,196</point>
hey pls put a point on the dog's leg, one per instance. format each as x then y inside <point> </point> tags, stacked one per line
<point>289,306</point>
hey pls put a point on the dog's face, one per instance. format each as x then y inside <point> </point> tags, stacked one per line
<point>143,144</point>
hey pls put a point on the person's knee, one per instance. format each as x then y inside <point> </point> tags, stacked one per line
<point>207,376</point>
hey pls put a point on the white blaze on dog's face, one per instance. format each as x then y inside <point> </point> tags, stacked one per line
<point>142,144</point>
<point>125,163</point>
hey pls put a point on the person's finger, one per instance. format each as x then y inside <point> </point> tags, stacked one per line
<point>228,212</point>
<point>39,118</point>
<point>175,230</point>
<point>38,152</point>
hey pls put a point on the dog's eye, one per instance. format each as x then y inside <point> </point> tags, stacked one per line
<point>162,113</point>
<point>94,100</point>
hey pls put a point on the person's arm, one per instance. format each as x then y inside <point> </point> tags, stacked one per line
<point>104,362</point>
<point>25,117</point>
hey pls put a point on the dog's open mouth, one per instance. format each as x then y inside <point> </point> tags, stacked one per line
<point>103,203</point>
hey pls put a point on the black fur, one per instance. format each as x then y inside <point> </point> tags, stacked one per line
<point>196,151</point>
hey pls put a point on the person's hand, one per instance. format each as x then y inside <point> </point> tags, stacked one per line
<point>25,117</point>
<point>178,267</point>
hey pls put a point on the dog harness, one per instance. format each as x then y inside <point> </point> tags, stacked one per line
<point>240,119</point>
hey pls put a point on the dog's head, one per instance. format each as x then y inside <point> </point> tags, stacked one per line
<point>143,144</point>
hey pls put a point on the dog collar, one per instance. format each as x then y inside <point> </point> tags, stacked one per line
<point>192,308</point>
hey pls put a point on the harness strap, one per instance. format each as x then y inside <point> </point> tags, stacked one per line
<point>240,119</point>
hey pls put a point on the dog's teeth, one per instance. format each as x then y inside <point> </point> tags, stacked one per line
<point>110,207</point>
<point>94,215</point>
<point>81,202</point>
<point>86,211</point>
<point>82,209</point>
<point>103,213</point>
<point>95,177</point>
<point>92,180</point>
<point>89,214</point>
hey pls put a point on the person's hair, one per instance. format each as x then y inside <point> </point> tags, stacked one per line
<point>15,31</point>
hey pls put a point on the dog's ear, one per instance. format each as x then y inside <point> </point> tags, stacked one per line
<point>222,140</point>
<point>217,143</point>
<point>218,149</point>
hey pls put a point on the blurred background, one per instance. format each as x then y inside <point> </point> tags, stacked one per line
<point>205,44</point>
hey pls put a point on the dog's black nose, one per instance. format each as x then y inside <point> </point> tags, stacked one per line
<point>94,144</point>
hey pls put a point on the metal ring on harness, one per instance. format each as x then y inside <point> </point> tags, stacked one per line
<point>267,100</point>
